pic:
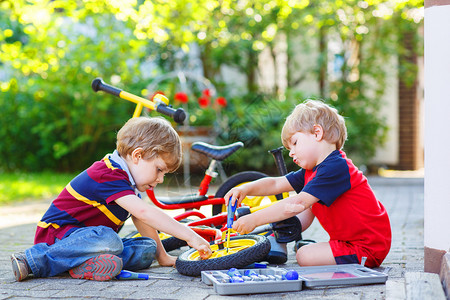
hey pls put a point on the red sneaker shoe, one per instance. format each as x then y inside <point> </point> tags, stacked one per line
<point>102,267</point>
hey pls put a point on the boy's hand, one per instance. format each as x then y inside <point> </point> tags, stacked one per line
<point>202,247</point>
<point>244,225</point>
<point>237,194</point>
<point>205,252</point>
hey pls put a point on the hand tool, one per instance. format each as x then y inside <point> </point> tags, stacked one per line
<point>230,219</point>
<point>128,275</point>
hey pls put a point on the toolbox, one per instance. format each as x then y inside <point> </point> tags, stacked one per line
<point>272,279</point>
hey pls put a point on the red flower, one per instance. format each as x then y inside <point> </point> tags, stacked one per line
<point>221,101</point>
<point>203,101</point>
<point>156,93</point>
<point>181,97</point>
<point>206,93</point>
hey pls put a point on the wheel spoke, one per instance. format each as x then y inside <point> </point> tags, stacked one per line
<point>236,246</point>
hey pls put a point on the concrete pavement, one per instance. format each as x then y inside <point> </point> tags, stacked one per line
<point>402,197</point>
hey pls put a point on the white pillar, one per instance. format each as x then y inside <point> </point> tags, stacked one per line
<point>437,133</point>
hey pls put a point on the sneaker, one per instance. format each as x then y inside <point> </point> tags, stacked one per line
<point>20,266</point>
<point>301,243</point>
<point>102,267</point>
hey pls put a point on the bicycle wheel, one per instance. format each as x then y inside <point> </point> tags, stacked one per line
<point>243,250</point>
<point>237,180</point>
<point>169,242</point>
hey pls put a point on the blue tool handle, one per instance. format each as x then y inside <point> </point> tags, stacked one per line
<point>128,275</point>
<point>230,213</point>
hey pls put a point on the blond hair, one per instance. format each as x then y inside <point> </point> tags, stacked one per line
<point>155,136</point>
<point>312,112</point>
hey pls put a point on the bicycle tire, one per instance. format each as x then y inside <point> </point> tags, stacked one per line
<point>240,259</point>
<point>235,180</point>
<point>173,243</point>
<point>169,243</point>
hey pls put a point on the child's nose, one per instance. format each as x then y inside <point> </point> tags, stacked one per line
<point>160,179</point>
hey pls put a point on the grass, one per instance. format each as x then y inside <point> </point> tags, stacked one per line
<point>16,187</point>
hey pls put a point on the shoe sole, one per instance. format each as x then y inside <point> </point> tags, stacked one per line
<point>275,257</point>
<point>19,273</point>
<point>99,268</point>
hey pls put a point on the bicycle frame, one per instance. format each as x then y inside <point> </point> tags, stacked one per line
<point>217,224</point>
<point>211,200</point>
<point>160,103</point>
<point>193,201</point>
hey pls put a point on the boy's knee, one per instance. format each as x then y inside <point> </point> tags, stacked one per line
<point>303,257</point>
<point>316,254</point>
<point>300,256</point>
<point>111,242</point>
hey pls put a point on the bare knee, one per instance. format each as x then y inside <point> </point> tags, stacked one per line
<point>315,255</point>
<point>303,256</point>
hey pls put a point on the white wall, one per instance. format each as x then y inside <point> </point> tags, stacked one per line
<point>437,127</point>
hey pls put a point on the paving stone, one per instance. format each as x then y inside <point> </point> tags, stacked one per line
<point>155,291</point>
<point>403,199</point>
<point>29,293</point>
<point>420,285</point>
<point>396,289</point>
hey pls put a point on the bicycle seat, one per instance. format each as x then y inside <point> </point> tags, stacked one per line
<point>216,152</point>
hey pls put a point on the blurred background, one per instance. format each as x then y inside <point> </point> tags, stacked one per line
<point>237,67</point>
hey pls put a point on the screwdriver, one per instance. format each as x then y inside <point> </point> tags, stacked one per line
<point>230,218</point>
<point>128,275</point>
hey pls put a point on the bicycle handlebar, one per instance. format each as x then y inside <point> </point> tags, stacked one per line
<point>99,85</point>
<point>178,115</point>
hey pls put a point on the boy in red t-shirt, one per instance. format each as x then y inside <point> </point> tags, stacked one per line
<point>328,187</point>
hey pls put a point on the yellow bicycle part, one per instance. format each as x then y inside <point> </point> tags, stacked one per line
<point>228,238</point>
<point>162,236</point>
<point>136,235</point>
<point>141,102</point>
<point>255,201</point>
<point>234,247</point>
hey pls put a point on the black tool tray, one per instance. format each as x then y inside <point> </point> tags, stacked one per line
<point>337,275</point>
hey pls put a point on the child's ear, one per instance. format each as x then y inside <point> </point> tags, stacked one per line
<point>318,132</point>
<point>136,155</point>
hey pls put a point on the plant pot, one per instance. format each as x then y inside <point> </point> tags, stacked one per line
<point>195,162</point>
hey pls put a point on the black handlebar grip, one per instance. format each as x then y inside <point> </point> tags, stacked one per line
<point>99,85</point>
<point>178,115</point>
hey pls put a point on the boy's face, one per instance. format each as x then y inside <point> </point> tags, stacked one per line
<point>148,173</point>
<point>303,150</point>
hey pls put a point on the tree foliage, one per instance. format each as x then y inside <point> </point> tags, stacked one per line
<point>52,119</point>
<point>52,49</point>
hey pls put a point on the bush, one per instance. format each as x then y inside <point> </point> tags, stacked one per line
<point>51,118</point>
<point>257,121</point>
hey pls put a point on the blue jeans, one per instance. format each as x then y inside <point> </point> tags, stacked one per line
<point>85,243</point>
